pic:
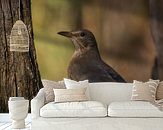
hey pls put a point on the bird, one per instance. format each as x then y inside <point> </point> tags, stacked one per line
<point>86,62</point>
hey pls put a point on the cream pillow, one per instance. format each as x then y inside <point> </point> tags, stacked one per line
<point>48,88</point>
<point>71,84</point>
<point>144,91</point>
<point>159,94</point>
<point>70,95</point>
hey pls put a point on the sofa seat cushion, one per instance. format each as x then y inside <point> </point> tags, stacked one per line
<point>133,109</point>
<point>74,109</point>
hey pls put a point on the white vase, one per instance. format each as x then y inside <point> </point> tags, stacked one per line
<point>18,110</point>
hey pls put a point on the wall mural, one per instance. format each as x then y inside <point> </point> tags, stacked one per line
<point>122,30</point>
<point>113,41</point>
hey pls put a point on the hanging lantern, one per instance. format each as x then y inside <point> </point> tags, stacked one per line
<point>19,38</point>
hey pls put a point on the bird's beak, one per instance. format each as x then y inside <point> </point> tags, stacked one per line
<point>65,33</point>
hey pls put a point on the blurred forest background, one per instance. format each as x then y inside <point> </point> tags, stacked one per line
<point>121,28</point>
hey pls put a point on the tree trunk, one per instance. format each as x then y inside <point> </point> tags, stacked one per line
<point>19,74</point>
<point>156,11</point>
<point>154,74</point>
<point>76,10</point>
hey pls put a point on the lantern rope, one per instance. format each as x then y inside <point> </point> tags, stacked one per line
<point>19,10</point>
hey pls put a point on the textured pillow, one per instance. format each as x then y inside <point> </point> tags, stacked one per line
<point>70,95</point>
<point>49,86</point>
<point>144,91</point>
<point>71,84</point>
<point>159,93</point>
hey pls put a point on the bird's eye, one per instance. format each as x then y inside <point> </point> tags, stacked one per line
<point>82,34</point>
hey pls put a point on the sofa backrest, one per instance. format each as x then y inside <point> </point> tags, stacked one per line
<point>108,92</point>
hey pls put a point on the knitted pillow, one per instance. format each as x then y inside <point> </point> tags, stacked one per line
<point>48,88</point>
<point>144,91</point>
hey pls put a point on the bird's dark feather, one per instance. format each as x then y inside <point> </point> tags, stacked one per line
<point>93,69</point>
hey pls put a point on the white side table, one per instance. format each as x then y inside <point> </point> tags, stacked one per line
<point>18,110</point>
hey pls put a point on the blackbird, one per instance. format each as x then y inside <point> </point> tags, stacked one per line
<point>86,62</point>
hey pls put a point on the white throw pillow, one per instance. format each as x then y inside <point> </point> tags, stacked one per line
<point>71,84</point>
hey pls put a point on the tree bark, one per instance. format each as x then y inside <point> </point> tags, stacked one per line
<point>19,74</point>
<point>156,9</point>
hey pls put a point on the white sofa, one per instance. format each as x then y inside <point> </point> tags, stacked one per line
<point>123,114</point>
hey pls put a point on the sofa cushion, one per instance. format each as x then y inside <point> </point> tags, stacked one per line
<point>70,95</point>
<point>74,109</point>
<point>133,109</point>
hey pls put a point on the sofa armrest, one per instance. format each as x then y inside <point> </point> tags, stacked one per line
<point>36,103</point>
